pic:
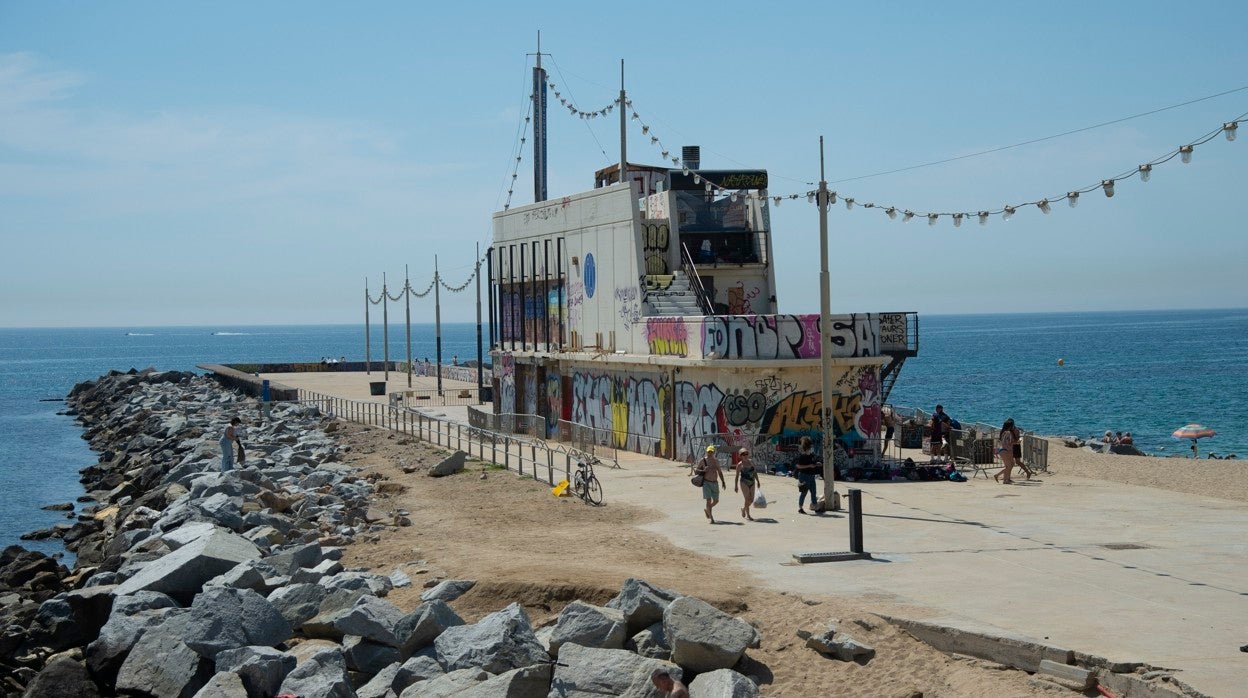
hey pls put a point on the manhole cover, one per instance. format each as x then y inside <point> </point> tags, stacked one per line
<point>1126,546</point>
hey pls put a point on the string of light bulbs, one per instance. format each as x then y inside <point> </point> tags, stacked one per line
<point>1007,211</point>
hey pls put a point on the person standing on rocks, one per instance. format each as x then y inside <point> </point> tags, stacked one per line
<point>712,477</point>
<point>228,441</point>
<point>671,686</point>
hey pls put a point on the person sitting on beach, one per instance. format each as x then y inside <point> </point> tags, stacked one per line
<point>1126,440</point>
<point>1108,438</point>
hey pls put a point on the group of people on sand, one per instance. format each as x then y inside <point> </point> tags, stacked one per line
<point>745,481</point>
<point>1117,439</point>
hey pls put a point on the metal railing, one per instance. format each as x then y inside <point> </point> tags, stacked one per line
<point>531,425</point>
<point>425,398</point>
<point>527,456</point>
<point>601,443</point>
<point>695,281</point>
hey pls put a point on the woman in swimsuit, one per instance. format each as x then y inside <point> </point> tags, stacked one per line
<point>744,481</point>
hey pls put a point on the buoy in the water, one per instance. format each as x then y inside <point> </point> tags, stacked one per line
<point>1061,362</point>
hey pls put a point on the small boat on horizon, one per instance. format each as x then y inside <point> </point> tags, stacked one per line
<point>138,334</point>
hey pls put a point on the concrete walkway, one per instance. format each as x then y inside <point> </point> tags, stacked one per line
<point>1131,574</point>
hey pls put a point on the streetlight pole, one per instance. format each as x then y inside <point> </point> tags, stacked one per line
<point>831,499</point>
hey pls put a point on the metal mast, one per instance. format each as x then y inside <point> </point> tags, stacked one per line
<point>539,127</point>
<point>830,497</point>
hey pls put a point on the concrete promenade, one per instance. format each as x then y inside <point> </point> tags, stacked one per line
<point>1131,574</point>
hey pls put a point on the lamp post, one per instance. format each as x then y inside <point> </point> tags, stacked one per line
<point>831,499</point>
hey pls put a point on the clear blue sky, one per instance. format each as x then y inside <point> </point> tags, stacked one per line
<point>253,163</point>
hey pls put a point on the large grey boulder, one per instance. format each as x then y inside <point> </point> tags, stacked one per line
<point>262,669</point>
<point>449,466</point>
<point>72,618</point>
<point>224,509</point>
<point>381,685</point>
<point>368,657</point>
<point>424,624</point>
<point>651,642</point>
<point>292,558</point>
<point>371,618</point>
<point>375,584</point>
<point>703,638</point>
<point>722,683</point>
<point>223,685</point>
<point>106,652</point>
<point>160,664</point>
<point>298,602</point>
<point>64,678</point>
<point>322,675</point>
<point>642,603</point>
<point>517,683</point>
<point>453,683</point>
<point>449,590</point>
<point>499,642</point>
<point>182,573</point>
<point>588,626</point>
<point>588,672</point>
<point>224,618</point>
<point>418,668</point>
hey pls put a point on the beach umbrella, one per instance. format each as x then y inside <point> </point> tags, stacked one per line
<point>1193,432</point>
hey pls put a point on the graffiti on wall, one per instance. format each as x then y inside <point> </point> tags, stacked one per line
<point>530,391</point>
<point>769,414</point>
<point>788,336</point>
<point>667,337</point>
<point>629,408</point>
<point>656,238</point>
<point>554,400</point>
<point>628,301</point>
<point>576,298</point>
<point>507,384</point>
<point>744,300</point>
<point>892,331</point>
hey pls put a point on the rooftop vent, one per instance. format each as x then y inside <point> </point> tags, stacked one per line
<point>691,155</point>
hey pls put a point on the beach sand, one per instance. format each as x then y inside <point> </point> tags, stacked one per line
<point>1224,479</point>
<point>521,544</point>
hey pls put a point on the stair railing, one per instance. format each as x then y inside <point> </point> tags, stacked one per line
<point>695,282</point>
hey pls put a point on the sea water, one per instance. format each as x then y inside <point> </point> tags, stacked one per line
<point>1144,372</point>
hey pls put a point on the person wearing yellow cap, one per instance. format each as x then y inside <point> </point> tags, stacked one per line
<point>712,478</point>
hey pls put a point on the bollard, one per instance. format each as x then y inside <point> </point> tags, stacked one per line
<point>855,521</point>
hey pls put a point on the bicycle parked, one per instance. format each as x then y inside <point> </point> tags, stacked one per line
<point>585,484</point>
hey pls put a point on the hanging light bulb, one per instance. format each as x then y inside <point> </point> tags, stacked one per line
<point>1007,213</point>
<point>957,220</point>
<point>685,170</point>
<point>810,197</point>
<point>931,218</point>
<point>1108,186</point>
<point>1072,197</point>
<point>1146,172</point>
<point>777,200</point>
<point>635,116</point>
<point>892,213</point>
<point>654,139</point>
<point>1229,128</point>
<point>831,198</point>
<point>905,218</point>
<point>708,187</point>
<point>1044,206</point>
<point>733,197</point>
<point>645,130</point>
<point>983,218</point>
<point>697,179</point>
<point>849,204</point>
<point>1185,153</point>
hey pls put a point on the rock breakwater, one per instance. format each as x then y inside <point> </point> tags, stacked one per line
<point>190,581</point>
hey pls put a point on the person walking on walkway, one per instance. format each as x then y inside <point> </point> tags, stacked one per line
<point>228,440</point>
<point>1010,449</point>
<point>744,481</point>
<point>712,477</point>
<point>806,467</point>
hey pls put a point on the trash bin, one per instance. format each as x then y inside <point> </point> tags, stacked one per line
<point>377,388</point>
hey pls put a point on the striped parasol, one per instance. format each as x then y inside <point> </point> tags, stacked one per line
<point>1193,431</point>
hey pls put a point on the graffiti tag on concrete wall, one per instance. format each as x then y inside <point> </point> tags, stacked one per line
<point>667,337</point>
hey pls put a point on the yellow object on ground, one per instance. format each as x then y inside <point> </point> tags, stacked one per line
<point>561,489</point>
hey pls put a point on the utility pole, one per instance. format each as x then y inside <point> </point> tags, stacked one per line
<point>385,324</point>
<point>407,309</point>
<point>623,129</point>
<point>539,127</point>
<point>437,318</point>
<point>480,375</point>
<point>368,360</point>
<point>832,500</point>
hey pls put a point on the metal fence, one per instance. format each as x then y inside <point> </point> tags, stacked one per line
<point>969,441</point>
<point>531,425</point>
<point>598,442</point>
<point>447,396</point>
<point>527,456</point>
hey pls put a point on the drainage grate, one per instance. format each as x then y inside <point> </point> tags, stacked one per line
<point>1126,546</point>
<point>805,558</point>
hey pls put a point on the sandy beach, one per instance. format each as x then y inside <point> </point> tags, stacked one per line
<point>1224,479</point>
